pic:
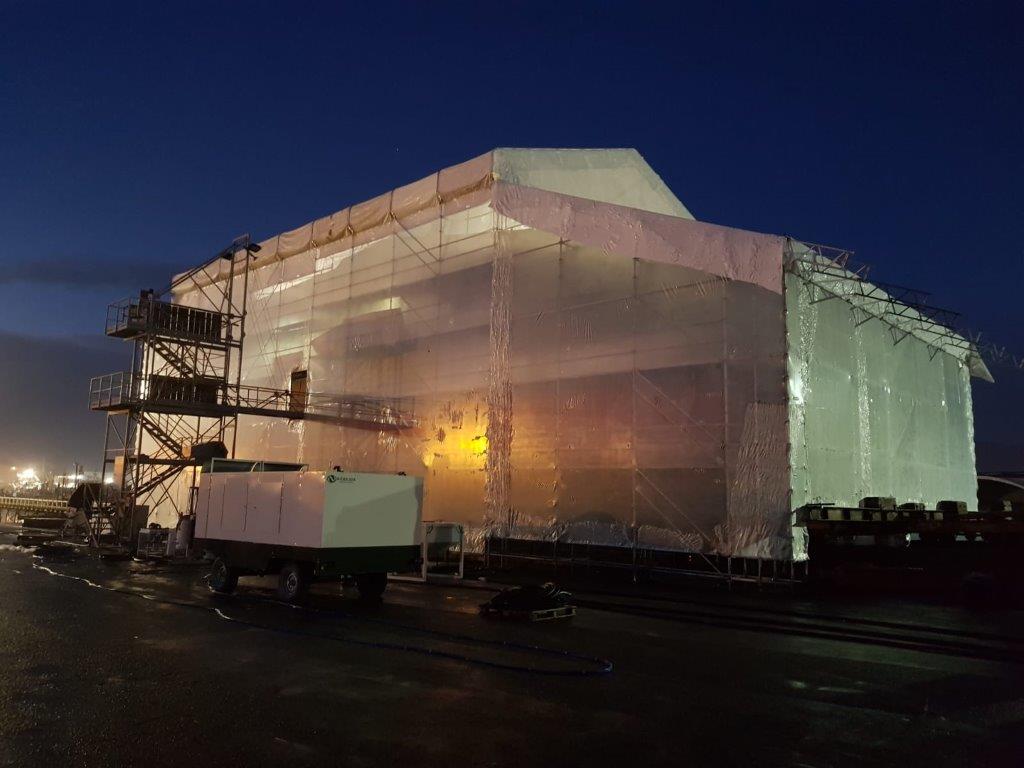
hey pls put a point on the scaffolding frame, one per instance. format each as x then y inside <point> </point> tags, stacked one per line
<point>831,273</point>
<point>834,273</point>
<point>183,389</point>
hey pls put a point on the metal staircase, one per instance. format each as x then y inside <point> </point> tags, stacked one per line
<point>178,392</point>
<point>184,389</point>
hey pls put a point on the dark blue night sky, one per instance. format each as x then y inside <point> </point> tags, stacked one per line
<point>136,139</point>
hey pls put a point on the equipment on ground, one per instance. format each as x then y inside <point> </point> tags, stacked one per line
<point>152,542</point>
<point>309,526</point>
<point>40,530</point>
<point>531,602</point>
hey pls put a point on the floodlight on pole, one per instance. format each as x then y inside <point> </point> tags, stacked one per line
<point>240,243</point>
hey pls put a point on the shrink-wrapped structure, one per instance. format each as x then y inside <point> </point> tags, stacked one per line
<point>566,354</point>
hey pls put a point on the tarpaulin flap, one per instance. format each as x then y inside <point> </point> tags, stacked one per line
<point>296,241</point>
<point>416,203</point>
<point>267,253</point>
<point>465,177</point>
<point>324,229</point>
<point>731,253</point>
<point>368,219</point>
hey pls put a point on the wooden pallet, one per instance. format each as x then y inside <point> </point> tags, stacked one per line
<point>544,614</point>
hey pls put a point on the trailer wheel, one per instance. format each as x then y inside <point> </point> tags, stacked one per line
<point>223,578</point>
<point>292,582</point>
<point>371,585</point>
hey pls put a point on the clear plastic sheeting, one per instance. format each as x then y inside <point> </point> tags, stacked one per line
<point>870,415</point>
<point>580,361</point>
<point>719,251</point>
<point>618,176</point>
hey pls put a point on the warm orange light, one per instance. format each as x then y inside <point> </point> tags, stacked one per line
<point>476,445</point>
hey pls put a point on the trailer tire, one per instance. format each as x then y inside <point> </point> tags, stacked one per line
<point>223,578</point>
<point>292,582</point>
<point>371,586</point>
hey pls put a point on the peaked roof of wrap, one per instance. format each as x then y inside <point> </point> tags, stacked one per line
<point>618,176</point>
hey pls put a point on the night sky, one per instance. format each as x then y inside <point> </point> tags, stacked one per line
<point>138,139</point>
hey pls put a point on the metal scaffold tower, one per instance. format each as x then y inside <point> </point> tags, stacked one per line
<point>182,391</point>
<point>179,403</point>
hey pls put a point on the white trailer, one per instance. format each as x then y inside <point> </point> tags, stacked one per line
<point>309,526</point>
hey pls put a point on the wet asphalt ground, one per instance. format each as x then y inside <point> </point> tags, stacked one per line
<point>125,663</point>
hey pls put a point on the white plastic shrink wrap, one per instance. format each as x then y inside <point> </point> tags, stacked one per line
<point>578,358</point>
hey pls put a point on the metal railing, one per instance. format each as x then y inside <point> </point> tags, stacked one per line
<point>139,315</point>
<point>263,398</point>
<point>392,412</point>
<point>20,504</point>
<point>387,412</point>
<point>111,390</point>
<point>213,397</point>
<point>501,552</point>
<point>124,389</point>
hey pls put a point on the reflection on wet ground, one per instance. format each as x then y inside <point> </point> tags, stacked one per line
<point>105,662</point>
